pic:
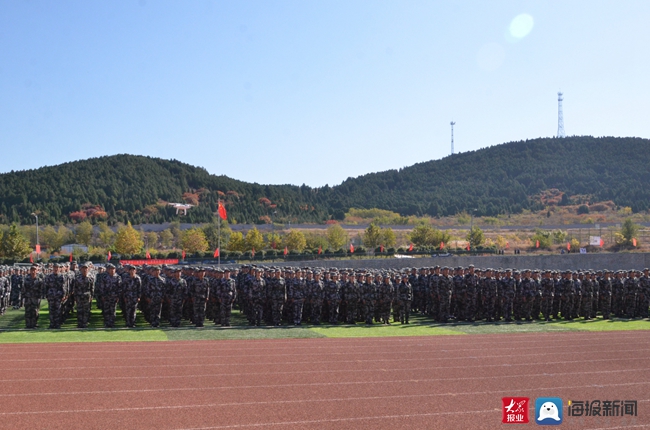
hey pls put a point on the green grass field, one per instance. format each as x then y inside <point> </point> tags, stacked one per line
<point>12,329</point>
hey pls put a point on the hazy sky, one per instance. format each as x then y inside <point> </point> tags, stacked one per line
<point>312,91</point>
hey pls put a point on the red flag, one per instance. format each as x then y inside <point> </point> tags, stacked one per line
<point>634,241</point>
<point>507,245</point>
<point>442,245</point>
<point>71,256</point>
<point>38,248</point>
<point>216,253</point>
<point>351,249</point>
<point>109,255</point>
<point>222,211</point>
<point>183,254</point>
<point>381,248</point>
<point>286,250</point>
<point>253,252</point>
<point>31,257</point>
<point>537,244</point>
<point>273,245</point>
<point>568,246</point>
<point>602,242</point>
<point>320,250</point>
<point>411,247</point>
<point>148,256</point>
<point>467,247</point>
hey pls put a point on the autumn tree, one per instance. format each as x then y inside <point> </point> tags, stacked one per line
<point>236,242</point>
<point>194,240</point>
<point>475,237</point>
<point>14,244</point>
<point>254,240</point>
<point>83,233</point>
<point>295,240</point>
<point>337,237</point>
<point>106,235</point>
<point>127,240</point>
<point>54,239</point>
<point>389,238</point>
<point>373,236</point>
<point>212,233</point>
<point>425,235</point>
<point>166,238</point>
<point>151,239</point>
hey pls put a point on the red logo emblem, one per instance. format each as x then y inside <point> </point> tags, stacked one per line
<point>515,410</point>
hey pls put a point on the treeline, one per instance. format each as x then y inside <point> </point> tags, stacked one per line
<point>498,180</point>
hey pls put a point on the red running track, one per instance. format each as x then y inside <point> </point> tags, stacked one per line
<point>445,382</point>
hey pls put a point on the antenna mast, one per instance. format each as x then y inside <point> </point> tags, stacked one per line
<point>560,116</point>
<point>452,136</point>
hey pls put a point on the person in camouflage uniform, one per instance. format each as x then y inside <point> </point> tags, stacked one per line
<point>131,293</point>
<point>605,294</point>
<point>445,292</point>
<point>277,295</point>
<point>227,292</point>
<point>643,296</point>
<point>16,299</point>
<point>352,295</point>
<point>332,296</point>
<point>32,293</point>
<point>315,294</point>
<point>509,290</point>
<point>111,289</point>
<point>297,292</point>
<point>385,293</point>
<point>489,296</point>
<point>630,286</point>
<point>199,291</point>
<point>548,295</point>
<point>54,292</point>
<point>257,296</point>
<point>618,295</point>
<point>155,293</point>
<point>368,297</point>
<point>176,292</point>
<point>587,295</point>
<point>567,296</point>
<point>471,290</point>
<point>404,295</point>
<point>83,287</point>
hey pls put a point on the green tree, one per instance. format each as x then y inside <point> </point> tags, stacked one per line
<point>373,236</point>
<point>273,240</point>
<point>544,237</point>
<point>128,240</point>
<point>475,237</point>
<point>295,240</point>
<point>194,240</point>
<point>315,241</point>
<point>83,233</point>
<point>236,242</point>
<point>106,235</point>
<point>212,233</point>
<point>425,235</point>
<point>254,240</point>
<point>629,231</point>
<point>54,239</point>
<point>166,239</point>
<point>151,240</point>
<point>337,237</point>
<point>389,238</point>
<point>14,244</point>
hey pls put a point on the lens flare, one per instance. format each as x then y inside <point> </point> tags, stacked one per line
<point>521,25</point>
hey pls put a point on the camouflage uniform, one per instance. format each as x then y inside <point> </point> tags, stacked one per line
<point>444,294</point>
<point>489,294</point>
<point>548,295</point>
<point>131,293</point>
<point>508,290</point>
<point>155,292</point>
<point>618,292</point>
<point>111,289</point>
<point>385,293</point>
<point>368,297</point>
<point>297,293</point>
<point>199,291</point>
<point>315,294</point>
<point>605,296</point>
<point>83,287</point>
<point>643,298</point>
<point>54,292</point>
<point>587,297</point>
<point>32,293</point>
<point>332,297</point>
<point>630,287</point>
<point>404,295</point>
<point>176,292</point>
<point>257,298</point>
<point>227,295</point>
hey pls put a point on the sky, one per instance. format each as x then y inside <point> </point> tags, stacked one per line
<point>312,92</point>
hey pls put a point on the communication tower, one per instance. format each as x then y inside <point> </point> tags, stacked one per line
<point>452,136</point>
<point>560,116</point>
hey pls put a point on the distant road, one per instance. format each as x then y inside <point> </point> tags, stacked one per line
<point>269,227</point>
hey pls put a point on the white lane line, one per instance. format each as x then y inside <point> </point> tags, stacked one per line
<point>383,369</point>
<point>324,384</point>
<point>345,353</point>
<point>360,360</point>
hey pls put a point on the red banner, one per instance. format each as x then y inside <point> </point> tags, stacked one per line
<point>150,262</point>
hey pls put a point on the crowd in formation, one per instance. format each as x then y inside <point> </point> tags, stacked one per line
<point>274,296</point>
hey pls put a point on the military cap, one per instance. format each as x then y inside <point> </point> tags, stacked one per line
<point>155,267</point>
<point>110,266</point>
<point>83,265</point>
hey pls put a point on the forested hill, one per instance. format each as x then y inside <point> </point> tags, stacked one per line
<point>500,179</point>
<point>509,177</point>
<point>137,189</point>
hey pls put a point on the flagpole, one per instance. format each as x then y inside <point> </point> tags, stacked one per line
<point>219,234</point>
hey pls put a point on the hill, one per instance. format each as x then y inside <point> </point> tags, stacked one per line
<point>507,178</point>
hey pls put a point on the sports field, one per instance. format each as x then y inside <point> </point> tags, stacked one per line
<point>421,376</point>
